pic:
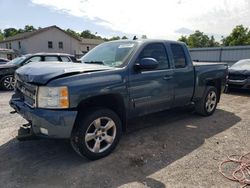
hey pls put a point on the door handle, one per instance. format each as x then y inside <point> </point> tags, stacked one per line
<point>167,77</point>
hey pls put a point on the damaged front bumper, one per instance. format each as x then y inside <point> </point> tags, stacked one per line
<point>43,122</point>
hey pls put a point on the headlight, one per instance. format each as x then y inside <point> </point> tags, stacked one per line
<point>53,97</point>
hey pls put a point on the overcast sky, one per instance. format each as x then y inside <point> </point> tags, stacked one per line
<point>155,18</point>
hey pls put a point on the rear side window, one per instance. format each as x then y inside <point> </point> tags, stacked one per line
<point>65,59</point>
<point>51,58</point>
<point>178,55</point>
<point>158,52</point>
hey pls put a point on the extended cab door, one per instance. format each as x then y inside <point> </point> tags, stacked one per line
<point>151,90</point>
<point>183,74</point>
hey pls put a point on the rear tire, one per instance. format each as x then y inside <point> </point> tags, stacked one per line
<point>208,103</point>
<point>97,133</point>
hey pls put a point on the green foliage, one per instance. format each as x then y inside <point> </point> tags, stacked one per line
<point>9,32</point>
<point>239,36</point>
<point>124,37</point>
<point>114,38</point>
<point>28,28</point>
<point>87,34</point>
<point>1,35</point>
<point>183,39</point>
<point>73,33</point>
<point>213,43</point>
<point>198,40</point>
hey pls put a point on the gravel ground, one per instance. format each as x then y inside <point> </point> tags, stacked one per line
<point>174,149</point>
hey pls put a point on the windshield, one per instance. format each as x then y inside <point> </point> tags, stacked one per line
<point>111,54</point>
<point>16,61</point>
<point>243,64</point>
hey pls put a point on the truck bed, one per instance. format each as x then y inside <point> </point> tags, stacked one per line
<point>206,71</point>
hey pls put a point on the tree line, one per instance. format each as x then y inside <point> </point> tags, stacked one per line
<point>9,32</point>
<point>89,35</point>
<point>240,35</point>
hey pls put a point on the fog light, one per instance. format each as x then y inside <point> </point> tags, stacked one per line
<point>44,131</point>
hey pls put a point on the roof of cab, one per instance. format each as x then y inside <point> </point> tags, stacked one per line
<point>141,41</point>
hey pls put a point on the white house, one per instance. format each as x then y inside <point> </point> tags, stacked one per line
<point>49,39</point>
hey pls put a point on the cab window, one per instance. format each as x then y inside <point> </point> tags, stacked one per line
<point>178,56</point>
<point>158,52</point>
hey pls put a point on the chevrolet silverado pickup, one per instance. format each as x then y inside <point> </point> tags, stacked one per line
<point>90,103</point>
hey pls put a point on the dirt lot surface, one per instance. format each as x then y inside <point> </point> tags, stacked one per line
<point>174,149</point>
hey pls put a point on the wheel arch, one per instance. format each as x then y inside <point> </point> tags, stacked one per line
<point>113,102</point>
<point>217,84</point>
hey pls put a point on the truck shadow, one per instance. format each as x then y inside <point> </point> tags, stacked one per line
<point>168,136</point>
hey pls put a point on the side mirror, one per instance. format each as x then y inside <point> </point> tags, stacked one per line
<point>147,64</point>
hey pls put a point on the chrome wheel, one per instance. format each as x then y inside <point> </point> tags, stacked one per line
<point>211,101</point>
<point>8,82</point>
<point>100,134</point>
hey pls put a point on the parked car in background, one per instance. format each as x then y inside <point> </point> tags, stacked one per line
<point>7,70</point>
<point>3,61</point>
<point>239,75</point>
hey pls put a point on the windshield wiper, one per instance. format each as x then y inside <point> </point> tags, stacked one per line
<point>94,62</point>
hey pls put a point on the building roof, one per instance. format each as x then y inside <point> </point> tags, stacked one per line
<point>32,33</point>
<point>91,41</point>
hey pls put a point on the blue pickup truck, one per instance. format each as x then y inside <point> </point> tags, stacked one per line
<point>91,102</point>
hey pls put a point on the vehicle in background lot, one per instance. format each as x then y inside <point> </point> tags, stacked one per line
<point>3,61</point>
<point>239,75</point>
<point>90,103</point>
<point>7,70</point>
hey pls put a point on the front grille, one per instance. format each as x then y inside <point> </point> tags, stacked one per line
<point>28,92</point>
<point>237,77</point>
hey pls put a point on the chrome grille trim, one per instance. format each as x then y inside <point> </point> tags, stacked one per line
<point>28,91</point>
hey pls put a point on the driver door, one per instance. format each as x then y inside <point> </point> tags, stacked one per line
<point>151,90</point>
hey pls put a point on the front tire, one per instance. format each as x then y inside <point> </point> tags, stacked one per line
<point>8,82</point>
<point>207,105</point>
<point>97,133</point>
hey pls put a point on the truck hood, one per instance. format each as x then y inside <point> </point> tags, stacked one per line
<point>43,72</point>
